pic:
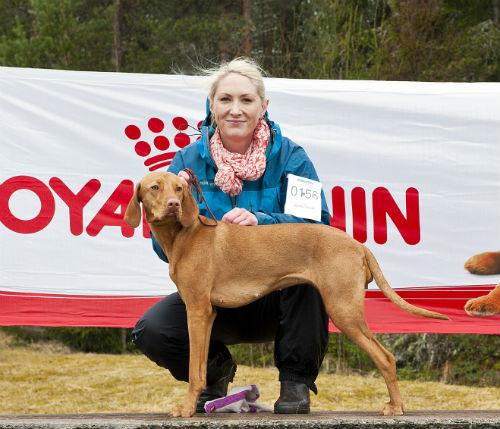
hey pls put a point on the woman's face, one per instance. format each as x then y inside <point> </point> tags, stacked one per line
<point>237,108</point>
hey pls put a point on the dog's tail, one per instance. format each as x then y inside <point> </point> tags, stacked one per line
<point>393,296</point>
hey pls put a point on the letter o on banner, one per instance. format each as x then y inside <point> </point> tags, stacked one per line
<point>36,186</point>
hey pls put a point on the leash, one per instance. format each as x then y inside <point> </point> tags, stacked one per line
<point>201,197</point>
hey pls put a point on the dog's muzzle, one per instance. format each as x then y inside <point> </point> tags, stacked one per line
<point>173,207</point>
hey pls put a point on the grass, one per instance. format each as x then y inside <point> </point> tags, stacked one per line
<point>50,379</point>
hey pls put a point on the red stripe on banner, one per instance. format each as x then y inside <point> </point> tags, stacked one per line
<point>36,309</point>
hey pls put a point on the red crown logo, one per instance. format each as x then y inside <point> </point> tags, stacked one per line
<point>160,141</point>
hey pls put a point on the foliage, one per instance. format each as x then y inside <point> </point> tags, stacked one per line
<point>62,34</point>
<point>254,355</point>
<point>430,40</point>
<point>94,340</point>
<point>463,359</point>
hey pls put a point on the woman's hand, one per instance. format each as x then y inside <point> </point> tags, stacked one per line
<point>183,175</point>
<point>240,216</point>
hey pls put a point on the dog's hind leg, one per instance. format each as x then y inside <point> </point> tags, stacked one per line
<point>200,321</point>
<point>350,320</point>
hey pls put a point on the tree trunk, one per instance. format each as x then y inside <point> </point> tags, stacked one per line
<point>117,35</point>
<point>251,356</point>
<point>247,16</point>
<point>447,376</point>
<point>340,365</point>
<point>123,334</point>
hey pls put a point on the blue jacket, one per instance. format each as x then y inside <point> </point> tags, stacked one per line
<point>264,197</point>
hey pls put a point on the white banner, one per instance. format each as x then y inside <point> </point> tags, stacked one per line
<point>410,169</point>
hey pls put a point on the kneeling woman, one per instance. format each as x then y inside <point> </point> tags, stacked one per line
<point>242,162</point>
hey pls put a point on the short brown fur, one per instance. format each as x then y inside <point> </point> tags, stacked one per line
<point>486,263</point>
<point>229,265</point>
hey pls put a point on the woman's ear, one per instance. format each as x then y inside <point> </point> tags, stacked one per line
<point>212,114</point>
<point>133,213</point>
<point>265,105</point>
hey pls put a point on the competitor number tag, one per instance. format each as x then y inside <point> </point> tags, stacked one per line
<point>303,198</point>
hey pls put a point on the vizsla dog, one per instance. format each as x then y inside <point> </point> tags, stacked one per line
<point>218,264</point>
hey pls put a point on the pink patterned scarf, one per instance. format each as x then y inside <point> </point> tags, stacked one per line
<point>233,168</point>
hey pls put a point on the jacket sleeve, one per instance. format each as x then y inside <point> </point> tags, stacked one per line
<point>176,166</point>
<point>299,165</point>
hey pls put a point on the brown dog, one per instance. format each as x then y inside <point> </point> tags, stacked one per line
<point>484,264</point>
<point>227,265</point>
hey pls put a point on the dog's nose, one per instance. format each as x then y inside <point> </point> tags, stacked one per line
<point>173,204</point>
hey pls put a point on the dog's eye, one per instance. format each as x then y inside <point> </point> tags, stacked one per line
<point>178,189</point>
<point>155,187</point>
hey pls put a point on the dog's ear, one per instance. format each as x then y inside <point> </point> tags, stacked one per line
<point>189,207</point>
<point>133,212</point>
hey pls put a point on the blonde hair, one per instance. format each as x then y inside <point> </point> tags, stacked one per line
<point>241,65</point>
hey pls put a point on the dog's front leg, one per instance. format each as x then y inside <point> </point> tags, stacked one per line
<point>200,321</point>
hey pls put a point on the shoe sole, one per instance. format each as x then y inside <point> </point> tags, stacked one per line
<point>292,410</point>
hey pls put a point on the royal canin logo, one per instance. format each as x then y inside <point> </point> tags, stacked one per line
<point>157,151</point>
<point>157,127</point>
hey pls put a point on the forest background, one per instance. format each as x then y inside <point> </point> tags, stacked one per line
<point>414,40</point>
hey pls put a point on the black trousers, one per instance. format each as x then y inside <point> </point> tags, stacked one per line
<point>294,318</point>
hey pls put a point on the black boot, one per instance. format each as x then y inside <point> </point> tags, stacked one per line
<point>218,388</point>
<point>294,398</point>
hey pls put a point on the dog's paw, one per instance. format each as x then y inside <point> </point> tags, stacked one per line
<point>484,263</point>
<point>183,410</point>
<point>393,409</point>
<point>484,306</point>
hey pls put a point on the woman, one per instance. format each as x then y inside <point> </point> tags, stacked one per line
<point>242,162</point>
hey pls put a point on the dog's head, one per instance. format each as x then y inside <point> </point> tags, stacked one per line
<point>166,197</point>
